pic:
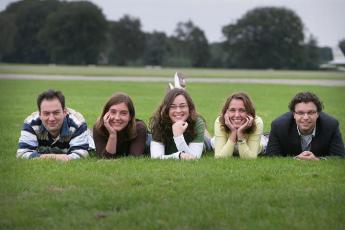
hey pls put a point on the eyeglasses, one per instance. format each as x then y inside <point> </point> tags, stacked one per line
<point>309,113</point>
<point>181,107</point>
<point>241,111</point>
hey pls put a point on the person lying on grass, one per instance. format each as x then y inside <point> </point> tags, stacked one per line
<point>305,132</point>
<point>117,132</point>
<point>238,131</point>
<point>54,132</point>
<point>177,129</point>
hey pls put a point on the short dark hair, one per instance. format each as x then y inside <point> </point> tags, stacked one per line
<point>305,97</point>
<point>50,94</point>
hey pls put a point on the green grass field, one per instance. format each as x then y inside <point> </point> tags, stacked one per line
<point>150,194</point>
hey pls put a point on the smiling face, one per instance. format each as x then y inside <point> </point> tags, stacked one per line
<point>179,110</point>
<point>306,115</point>
<point>52,115</point>
<point>236,113</point>
<point>119,116</point>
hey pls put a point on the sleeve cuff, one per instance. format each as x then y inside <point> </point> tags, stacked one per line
<point>34,154</point>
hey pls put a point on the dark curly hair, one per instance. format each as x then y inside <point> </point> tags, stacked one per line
<point>161,124</point>
<point>248,105</point>
<point>305,97</point>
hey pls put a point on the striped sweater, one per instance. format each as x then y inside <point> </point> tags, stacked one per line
<point>74,139</point>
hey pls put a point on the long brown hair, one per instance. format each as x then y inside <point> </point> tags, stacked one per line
<point>161,124</point>
<point>118,98</point>
<point>248,105</point>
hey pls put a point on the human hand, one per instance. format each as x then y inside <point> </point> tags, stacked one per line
<point>107,125</point>
<point>228,123</point>
<point>179,127</point>
<point>187,156</point>
<point>306,155</point>
<point>61,157</point>
<point>247,124</point>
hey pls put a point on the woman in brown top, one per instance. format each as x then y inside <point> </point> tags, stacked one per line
<point>117,132</point>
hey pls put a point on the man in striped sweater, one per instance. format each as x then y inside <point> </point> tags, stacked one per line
<point>54,132</point>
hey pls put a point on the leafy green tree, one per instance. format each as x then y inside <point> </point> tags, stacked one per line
<point>20,24</point>
<point>266,37</point>
<point>311,58</point>
<point>75,33</point>
<point>8,31</point>
<point>127,41</point>
<point>325,54</point>
<point>342,45</point>
<point>217,55</point>
<point>156,48</point>
<point>190,41</point>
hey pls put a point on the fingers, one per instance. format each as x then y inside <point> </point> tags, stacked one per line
<point>187,156</point>
<point>106,117</point>
<point>179,127</point>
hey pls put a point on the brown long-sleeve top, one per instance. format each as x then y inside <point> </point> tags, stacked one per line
<point>125,147</point>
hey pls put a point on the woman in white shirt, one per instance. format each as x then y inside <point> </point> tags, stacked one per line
<point>177,129</point>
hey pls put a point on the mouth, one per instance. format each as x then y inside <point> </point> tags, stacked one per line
<point>116,123</point>
<point>237,121</point>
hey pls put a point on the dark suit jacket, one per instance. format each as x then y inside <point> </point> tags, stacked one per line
<point>285,141</point>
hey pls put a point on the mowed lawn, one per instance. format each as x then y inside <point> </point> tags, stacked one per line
<point>150,194</point>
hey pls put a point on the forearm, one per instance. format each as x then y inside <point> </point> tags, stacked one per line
<point>250,148</point>
<point>224,147</point>
<point>193,148</point>
<point>111,144</point>
<point>27,154</point>
<point>158,151</point>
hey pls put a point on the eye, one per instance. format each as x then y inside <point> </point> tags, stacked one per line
<point>123,113</point>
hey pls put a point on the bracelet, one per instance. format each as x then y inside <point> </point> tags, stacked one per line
<point>241,141</point>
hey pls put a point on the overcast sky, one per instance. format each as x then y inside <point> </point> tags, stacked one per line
<point>322,18</point>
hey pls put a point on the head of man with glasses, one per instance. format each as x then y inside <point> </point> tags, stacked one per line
<point>306,132</point>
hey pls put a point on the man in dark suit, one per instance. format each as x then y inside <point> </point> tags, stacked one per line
<point>305,132</point>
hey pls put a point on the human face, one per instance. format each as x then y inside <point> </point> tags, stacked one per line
<point>237,113</point>
<point>52,115</point>
<point>305,116</point>
<point>179,110</point>
<point>119,116</point>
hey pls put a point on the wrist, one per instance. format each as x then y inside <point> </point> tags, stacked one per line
<point>241,141</point>
<point>179,155</point>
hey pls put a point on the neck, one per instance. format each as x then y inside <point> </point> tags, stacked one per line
<point>54,134</point>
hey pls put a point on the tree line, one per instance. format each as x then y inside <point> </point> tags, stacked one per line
<point>77,32</point>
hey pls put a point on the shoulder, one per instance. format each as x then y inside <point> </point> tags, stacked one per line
<point>218,124</point>
<point>327,120</point>
<point>286,118</point>
<point>33,118</point>
<point>140,125</point>
<point>75,117</point>
<point>259,123</point>
<point>199,122</point>
<point>258,120</point>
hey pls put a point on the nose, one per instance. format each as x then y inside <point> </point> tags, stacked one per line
<point>116,116</point>
<point>305,115</point>
<point>178,109</point>
<point>51,117</point>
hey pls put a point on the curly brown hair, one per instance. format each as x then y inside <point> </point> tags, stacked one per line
<point>161,124</point>
<point>248,105</point>
<point>305,97</point>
